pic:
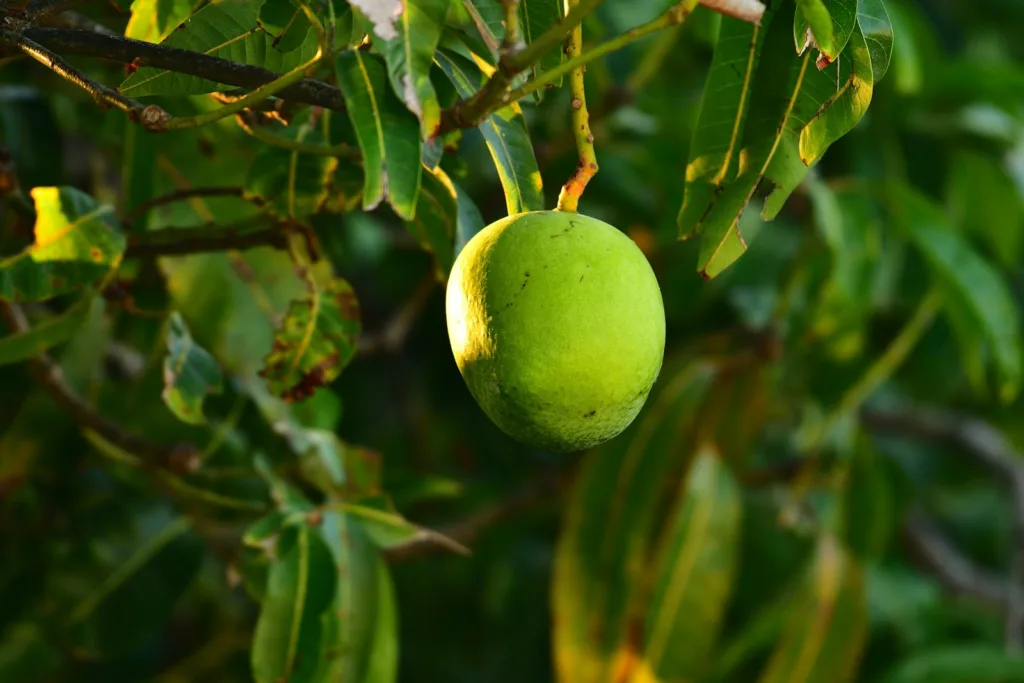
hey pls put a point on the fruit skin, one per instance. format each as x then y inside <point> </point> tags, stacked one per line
<point>557,325</point>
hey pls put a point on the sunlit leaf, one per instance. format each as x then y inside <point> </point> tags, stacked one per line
<point>506,135</point>
<point>968,279</point>
<point>46,334</point>
<point>602,554</point>
<point>289,639</point>
<point>154,20</point>
<point>228,29</point>
<point>388,134</point>
<point>410,55</point>
<point>314,342</point>
<point>693,572</point>
<point>827,624</point>
<point>436,221</point>
<point>190,373</point>
<point>831,23</point>
<point>77,242</point>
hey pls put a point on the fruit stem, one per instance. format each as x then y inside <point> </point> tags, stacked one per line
<point>587,166</point>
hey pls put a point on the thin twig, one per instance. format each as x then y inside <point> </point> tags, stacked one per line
<point>391,338</point>
<point>586,167</point>
<point>469,529</point>
<point>204,239</point>
<point>189,193</point>
<point>150,116</point>
<point>340,150</point>
<point>140,54</point>
<point>48,373</point>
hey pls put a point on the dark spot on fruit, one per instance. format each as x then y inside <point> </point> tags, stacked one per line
<point>508,304</point>
<point>581,278</point>
<point>592,413</point>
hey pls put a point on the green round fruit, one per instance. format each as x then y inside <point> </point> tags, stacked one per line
<point>557,325</point>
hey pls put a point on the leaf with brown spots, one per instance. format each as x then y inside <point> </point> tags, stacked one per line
<point>77,242</point>
<point>314,342</point>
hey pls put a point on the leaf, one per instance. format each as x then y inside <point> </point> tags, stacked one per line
<point>436,221</point>
<point>966,278</point>
<point>361,630</point>
<point>190,373</point>
<point>838,115</point>
<point>985,203</point>
<point>506,135</point>
<point>154,20</point>
<point>875,24</point>
<point>289,638</point>
<point>536,17</point>
<point>693,572</point>
<point>831,23</point>
<point>602,555</point>
<point>77,242</point>
<point>869,511</point>
<point>409,56</point>
<point>470,221</point>
<point>316,339</point>
<point>388,529</point>
<point>827,627</point>
<point>228,29</point>
<point>46,334</point>
<point>955,663</point>
<point>286,23</point>
<point>387,132</point>
<point>294,185</point>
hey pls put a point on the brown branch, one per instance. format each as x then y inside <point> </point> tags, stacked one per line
<point>175,457</point>
<point>188,193</point>
<point>469,529</point>
<point>140,53</point>
<point>204,239</point>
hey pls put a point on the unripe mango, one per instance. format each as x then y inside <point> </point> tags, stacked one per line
<point>557,325</point>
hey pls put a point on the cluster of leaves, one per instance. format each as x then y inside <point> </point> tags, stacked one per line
<point>745,527</point>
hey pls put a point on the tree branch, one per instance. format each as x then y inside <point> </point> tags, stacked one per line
<point>391,338</point>
<point>188,193</point>
<point>207,238</point>
<point>223,71</point>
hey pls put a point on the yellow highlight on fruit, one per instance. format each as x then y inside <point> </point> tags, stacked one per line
<point>557,325</point>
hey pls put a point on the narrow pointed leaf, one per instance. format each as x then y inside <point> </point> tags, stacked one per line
<point>190,373</point>
<point>693,573</point>
<point>314,342</point>
<point>506,135</point>
<point>289,638</point>
<point>228,29</point>
<point>46,334</point>
<point>603,549</point>
<point>410,55</point>
<point>536,17</point>
<point>827,627</point>
<point>436,221</point>
<point>77,242</point>
<point>470,220</point>
<point>388,134</point>
<point>979,291</point>
<point>875,24</point>
<point>831,23</point>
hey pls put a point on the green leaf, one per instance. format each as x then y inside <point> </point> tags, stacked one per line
<point>410,55</point>
<point>25,654</point>
<point>190,373</point>
<point>387,132</point>
<point>47,334</point>
<point>289,639</point>
<point>875,24</point>
<point>959,664</point>
<point>154,20</point>
<point>285,22</point>
<point>387,529</point>
<point>840,113</point>
<point>693,572</point>
<point>870,516</point>
<point>470,220</point>
<point>827,627</point>
<point>316,339</point>
<point>294,185</point>
<point>602,556</point>
<point>361,628</point>
<point>830,21</point>
<point>985,203</point>
<point>228,29</point>
<point>506,135</point>
<point>436,221</point>
<point>968,279</point>
<point>77,242</point>
<point>536,17</point>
